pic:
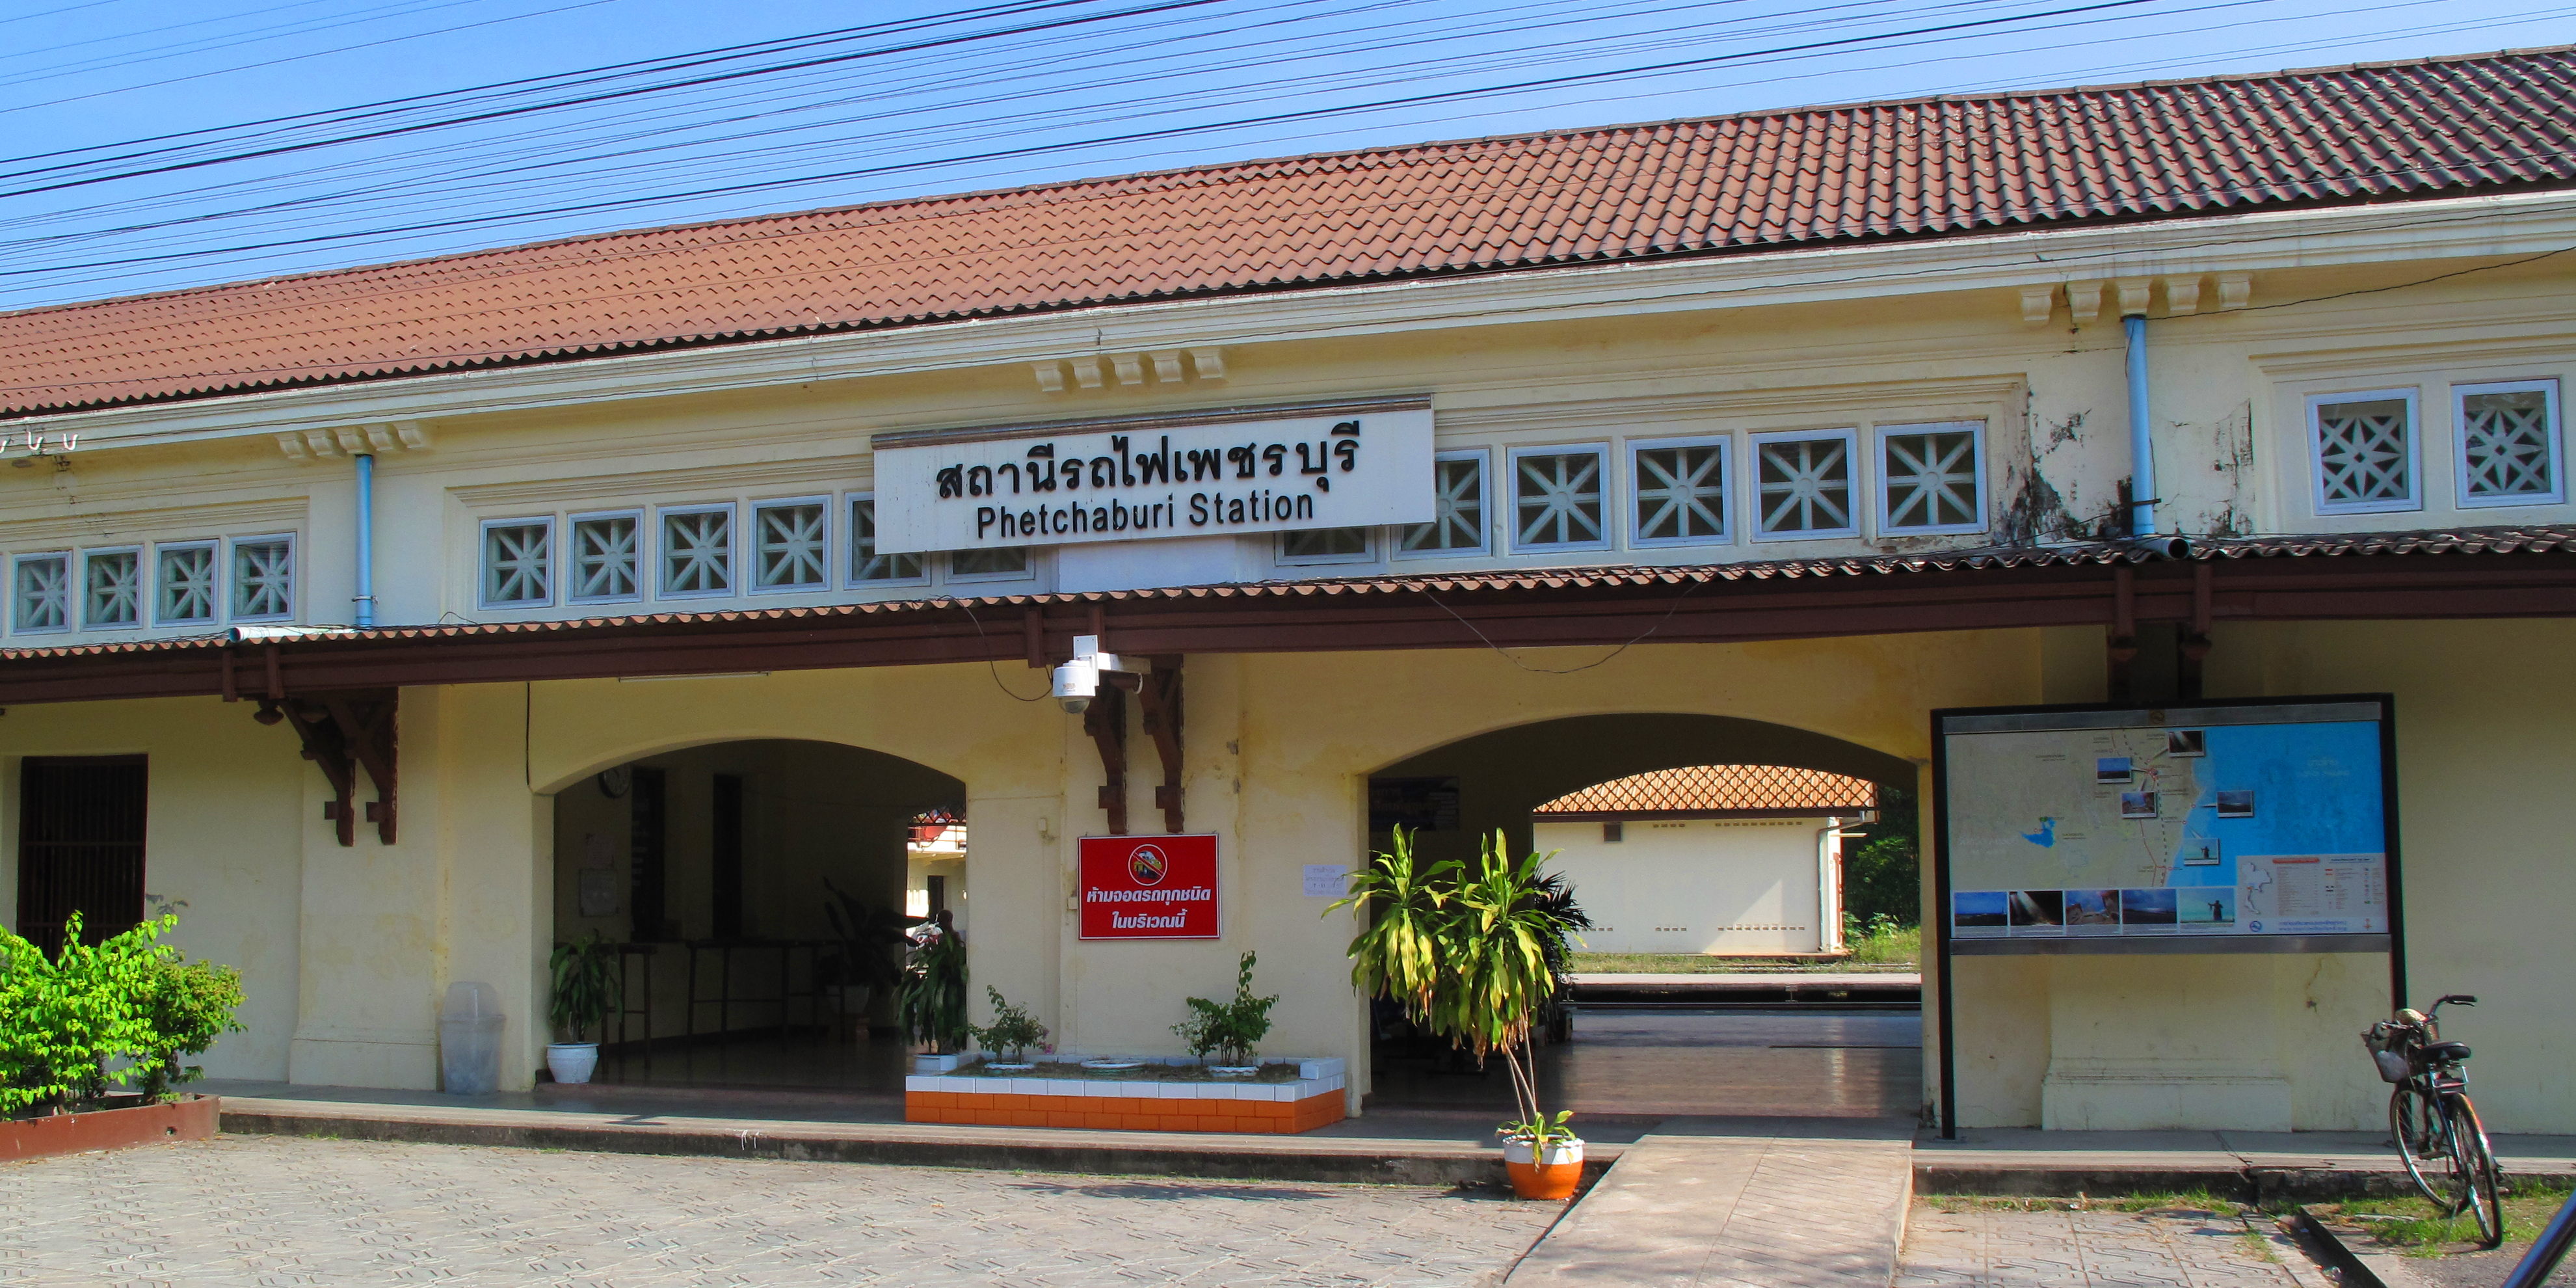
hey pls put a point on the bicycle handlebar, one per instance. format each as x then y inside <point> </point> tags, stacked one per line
<point>2451,999</point>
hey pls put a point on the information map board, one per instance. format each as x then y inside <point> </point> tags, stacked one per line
<point>2257,826</point>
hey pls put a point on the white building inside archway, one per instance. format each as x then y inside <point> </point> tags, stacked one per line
<point>1729,860</point>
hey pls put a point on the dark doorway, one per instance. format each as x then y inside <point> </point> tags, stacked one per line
<point>726,897</point>
<point>647,845</point>
<point>80,846</point>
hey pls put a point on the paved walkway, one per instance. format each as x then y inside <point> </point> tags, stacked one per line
<point>1737,1204</point>
<point>271,1212</point>
<point>1987,1248</point>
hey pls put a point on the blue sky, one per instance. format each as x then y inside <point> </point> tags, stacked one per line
<point>91,74</point>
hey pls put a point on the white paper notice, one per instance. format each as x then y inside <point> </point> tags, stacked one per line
<point>1327,880</point>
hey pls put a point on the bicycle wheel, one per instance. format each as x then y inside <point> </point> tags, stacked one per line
<point>2480,1184</point>
<point>2415,1126</point>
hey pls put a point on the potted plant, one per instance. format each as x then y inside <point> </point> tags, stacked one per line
<point>78,1028</point>
<point>1010,1035</point>
<point>1230,1030</point>
<point>932,995</point>
<point>1464,952</point>
<point>869,935</point>
<point>589,977</point>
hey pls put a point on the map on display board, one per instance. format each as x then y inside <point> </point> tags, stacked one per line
<point>2237,827</point>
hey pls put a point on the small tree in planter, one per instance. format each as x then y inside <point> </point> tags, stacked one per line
<point>1465,953</point>
<point>589,980</point>
<point>871,936</point>
<point>1231,1030</point>
<point>933,992</point>
<point>1012,1032</point>
<point>129,999</point>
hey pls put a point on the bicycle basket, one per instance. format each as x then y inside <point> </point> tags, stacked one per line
<point>2391,1051</point>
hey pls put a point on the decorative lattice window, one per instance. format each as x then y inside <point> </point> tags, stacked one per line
<point>989,565</point>
<point>1932,478</point>
<point>40,593</point>
<point>1680,491</point>
<point>1324,545</point>
<point>2508,443</point>
<point>2366,455</point>
<point>1458,525</point>
<point>1560,498</point>
<point>606,557</point>
<point>183,583</point>
<point>518,562</point>
<point>866,565</point>
<point>791,545</point>
<point>263,578</point>
<point>697,552</point>
<point>111,588</point>
<point>1804,484</point>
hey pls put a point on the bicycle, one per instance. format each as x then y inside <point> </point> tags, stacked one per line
<point>2430,1120</point>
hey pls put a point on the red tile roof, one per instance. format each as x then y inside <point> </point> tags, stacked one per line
<point>1716,791</point>
<point>1737,183</point>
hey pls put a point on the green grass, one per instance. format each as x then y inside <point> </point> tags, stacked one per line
<point>2153,1201</point>
<point>1897,950</point>
<point>1903,947</point>
<point>2418,1229</point>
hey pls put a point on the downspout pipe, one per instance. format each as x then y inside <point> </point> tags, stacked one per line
<point>365,599</point>
<point>2142,448</point>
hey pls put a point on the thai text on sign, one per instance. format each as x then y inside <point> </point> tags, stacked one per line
<point>1243,473</point>
<point>1148,887</point>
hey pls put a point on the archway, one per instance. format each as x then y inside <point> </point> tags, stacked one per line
<point>1703,1049</point>
<point>759,889</point>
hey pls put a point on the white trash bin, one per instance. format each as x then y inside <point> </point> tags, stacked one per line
<point>469,1040</point>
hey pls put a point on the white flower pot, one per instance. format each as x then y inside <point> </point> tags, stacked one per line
<point>1558,1151</point>
<point>572,1061</point>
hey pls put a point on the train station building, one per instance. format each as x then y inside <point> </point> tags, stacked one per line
<point>674,584</point>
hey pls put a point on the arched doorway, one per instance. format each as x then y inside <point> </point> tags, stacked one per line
<point>759,889</point>
<point>1703,1047</point>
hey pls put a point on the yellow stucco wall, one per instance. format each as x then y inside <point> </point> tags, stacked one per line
<point>346,950</point>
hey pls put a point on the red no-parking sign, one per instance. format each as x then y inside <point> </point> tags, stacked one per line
<point>1148,887</point>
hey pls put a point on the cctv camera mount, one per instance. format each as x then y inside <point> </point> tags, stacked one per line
<point>1077,682</point>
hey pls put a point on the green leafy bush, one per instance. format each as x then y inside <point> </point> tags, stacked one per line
<point>589,982</point>
<point>932,997</point>
<point>107,1014</point>
<point>1013,1030</point>
<point>1232,1029</point>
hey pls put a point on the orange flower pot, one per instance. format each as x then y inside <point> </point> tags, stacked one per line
<point>1551,1176</point>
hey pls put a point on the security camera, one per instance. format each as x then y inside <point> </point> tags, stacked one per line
<point>1077,682</point>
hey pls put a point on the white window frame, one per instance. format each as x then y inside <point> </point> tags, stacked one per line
<point>1757,509</point>
<point>850,578</point>
<point>1371,540</point>
<point>1028,570</point>
<point>2460,394</point>
<point>1726,489</point>
<point>1883,508</point>
<point>2414,498</point>
<point>142,589</point>
<point>1610,499</point>
<point>1484,459</point>
<point>214,592</point>
<point>750,548</point>
<point>733,550</point>
<point>569,575</point>
<point>294,576</point>
<point>483,562</point>
<point>69,590</point>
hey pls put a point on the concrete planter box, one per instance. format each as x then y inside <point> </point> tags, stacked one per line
<point>1132,1102</point>
<point>192,1118</point>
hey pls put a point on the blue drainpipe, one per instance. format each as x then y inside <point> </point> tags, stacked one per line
<point>366,596</point>
<point>2142,448</point>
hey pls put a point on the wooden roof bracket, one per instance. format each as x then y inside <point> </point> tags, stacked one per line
<point>2122,646</point>
<point>342,734</point>
<point>1161,696</point>
<point>1106,721</point>
<point>2190,667</point>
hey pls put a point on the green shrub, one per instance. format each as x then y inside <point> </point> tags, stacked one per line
<point>105,1015</point>
<point>1013,1030</point>
<point>1231,1028</point>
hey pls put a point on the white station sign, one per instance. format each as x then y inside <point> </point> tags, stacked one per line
<point>1231,472</point>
